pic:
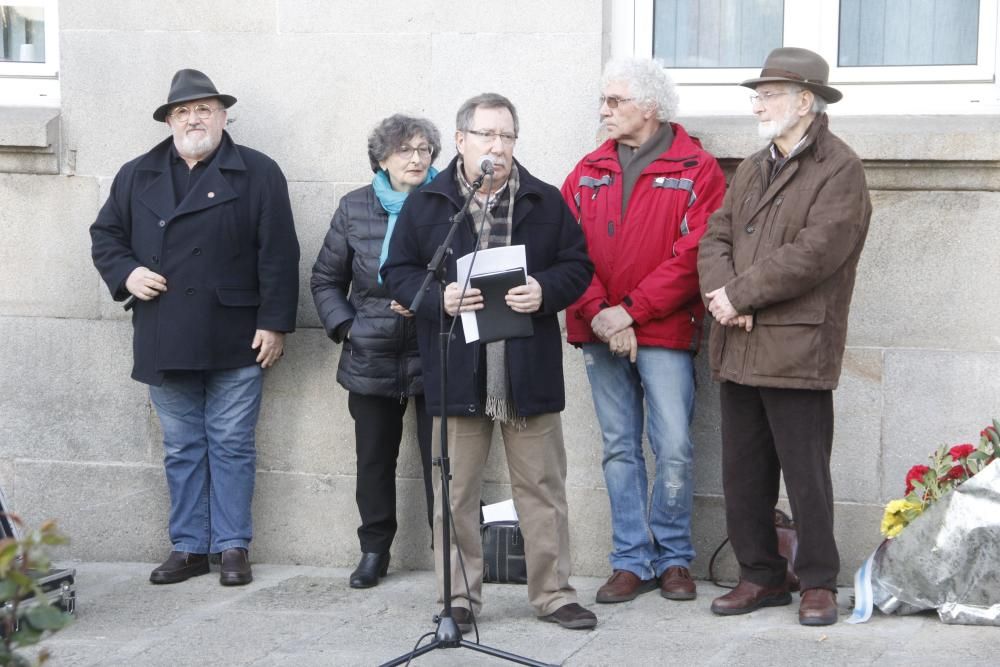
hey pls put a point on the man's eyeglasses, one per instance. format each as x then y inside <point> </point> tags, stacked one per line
<point>202,111</point>
<point>613,100</point>
<point>764,98</point>
<point>506,138</point>
<point>406,152</point>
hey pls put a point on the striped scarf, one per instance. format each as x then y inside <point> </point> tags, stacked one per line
<point>498,224</point>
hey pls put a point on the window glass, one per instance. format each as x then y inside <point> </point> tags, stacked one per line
<point>716,33</point>
<point>908,32</point>
<point>22,33</point>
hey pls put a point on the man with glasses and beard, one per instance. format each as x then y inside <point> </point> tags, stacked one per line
<point>777,267</point>
<point>643,198</point>
<point>515,383</point>
<point>197,237</point>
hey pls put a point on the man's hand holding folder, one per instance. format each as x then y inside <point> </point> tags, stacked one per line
<point>507,301</point>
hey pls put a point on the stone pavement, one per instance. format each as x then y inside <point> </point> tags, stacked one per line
<point>309,617</point>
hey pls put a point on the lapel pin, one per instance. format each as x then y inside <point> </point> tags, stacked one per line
<point>211,195</point>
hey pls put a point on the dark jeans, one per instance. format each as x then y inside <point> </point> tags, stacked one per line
<point>767,432</point>
<point>378,429</point>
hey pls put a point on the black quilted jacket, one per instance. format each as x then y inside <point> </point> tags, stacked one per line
<point>380,355</point>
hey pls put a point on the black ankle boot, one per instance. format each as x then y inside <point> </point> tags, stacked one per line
<point>371,567</point>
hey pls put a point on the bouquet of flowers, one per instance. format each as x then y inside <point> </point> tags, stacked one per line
<point>926,484</point>
<point>946,560</point>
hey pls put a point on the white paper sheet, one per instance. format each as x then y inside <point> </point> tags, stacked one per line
<point>491,260</point>
<point>497,512</point>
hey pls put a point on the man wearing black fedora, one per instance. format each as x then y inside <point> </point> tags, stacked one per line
<point>197,238</point>
<point>777,267</point>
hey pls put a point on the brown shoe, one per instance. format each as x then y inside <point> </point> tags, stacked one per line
<point>676,584</point>
<point>748,596</point>
<point>572,616</point>
<point>623,586</point>
<point>818,607</point>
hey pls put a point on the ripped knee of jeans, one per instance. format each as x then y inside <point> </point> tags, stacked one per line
<point>676,479</point>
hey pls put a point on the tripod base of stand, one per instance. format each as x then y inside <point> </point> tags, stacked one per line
<point>449,636</point>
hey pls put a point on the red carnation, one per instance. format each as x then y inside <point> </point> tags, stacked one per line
<point>956,472</point>
<point>961,451</point>
<point>985,433</point>
<point>916,474</point>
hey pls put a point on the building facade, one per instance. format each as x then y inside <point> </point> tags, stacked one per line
<point>79,441</point>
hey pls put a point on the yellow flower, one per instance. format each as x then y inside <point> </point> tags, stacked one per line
<point>898,514</point>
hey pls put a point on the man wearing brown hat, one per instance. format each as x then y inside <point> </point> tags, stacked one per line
<point>197,238</point>
<point>777,266</point>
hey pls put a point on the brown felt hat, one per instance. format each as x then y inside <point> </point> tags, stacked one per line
<point>799,66</point>
<point>187,85</point>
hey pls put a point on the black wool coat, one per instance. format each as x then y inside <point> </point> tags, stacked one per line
<point>556,254</point>
<point>228,251</point>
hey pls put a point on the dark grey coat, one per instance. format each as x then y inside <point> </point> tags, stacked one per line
<point>380,356</point>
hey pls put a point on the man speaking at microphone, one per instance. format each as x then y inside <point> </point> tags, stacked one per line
<point>516,383</point>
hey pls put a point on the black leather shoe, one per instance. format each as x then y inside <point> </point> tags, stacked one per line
<point>235,568</point>
<point>369,569</point>
<point>180,566</point>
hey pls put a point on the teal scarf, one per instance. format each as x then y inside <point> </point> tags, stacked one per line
<point>392,201</point>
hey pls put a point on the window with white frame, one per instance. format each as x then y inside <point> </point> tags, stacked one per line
<point>29,51</point>
<point>890,53</point>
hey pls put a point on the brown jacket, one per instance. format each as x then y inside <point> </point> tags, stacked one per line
<point>788,252</point>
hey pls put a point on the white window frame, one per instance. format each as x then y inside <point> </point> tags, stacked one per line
<point>34,83</point>
<point>814,24</point>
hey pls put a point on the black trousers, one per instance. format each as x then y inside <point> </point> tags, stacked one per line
<point>767,432</point>
<point>378,430</point>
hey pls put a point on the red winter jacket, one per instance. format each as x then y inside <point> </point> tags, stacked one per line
<point>647,262</point>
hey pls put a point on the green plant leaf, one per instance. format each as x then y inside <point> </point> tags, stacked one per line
<point>23,581</point>
<point>47,617</point>
<point>8,589</point>
<point>26,636</point>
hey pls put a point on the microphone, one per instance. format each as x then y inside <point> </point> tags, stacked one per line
<point>486,164</point>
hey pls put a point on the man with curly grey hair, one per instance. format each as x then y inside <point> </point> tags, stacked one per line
<point>643,199</point>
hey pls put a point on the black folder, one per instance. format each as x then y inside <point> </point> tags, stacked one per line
<point>496,321</point>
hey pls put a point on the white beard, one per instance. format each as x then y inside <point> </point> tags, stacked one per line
<point>195,148</point>
<point>770,130</point>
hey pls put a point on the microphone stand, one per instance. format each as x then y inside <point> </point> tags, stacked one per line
<point>448,635</point>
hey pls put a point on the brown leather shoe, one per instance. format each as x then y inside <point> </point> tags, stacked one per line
<point>572,616</point>
<point>623,586</point>
<point>676,584</point>
<point>748,596</point>
<point>235,568</point>
<point>818,607</point>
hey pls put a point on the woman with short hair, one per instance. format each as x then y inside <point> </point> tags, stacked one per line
<point>379,363</point>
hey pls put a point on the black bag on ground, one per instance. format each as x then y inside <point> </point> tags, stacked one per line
<point>503,553</point>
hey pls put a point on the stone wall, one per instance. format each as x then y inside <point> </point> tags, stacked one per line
<point>79,441</point>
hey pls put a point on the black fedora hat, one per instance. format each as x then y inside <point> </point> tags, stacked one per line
<point>799,66</point>
<point>187,85</point>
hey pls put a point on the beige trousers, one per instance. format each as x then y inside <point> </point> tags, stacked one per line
<point>536,459</point>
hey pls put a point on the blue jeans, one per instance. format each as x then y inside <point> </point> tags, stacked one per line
<point>208,420</point>
<point>647,539</point>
